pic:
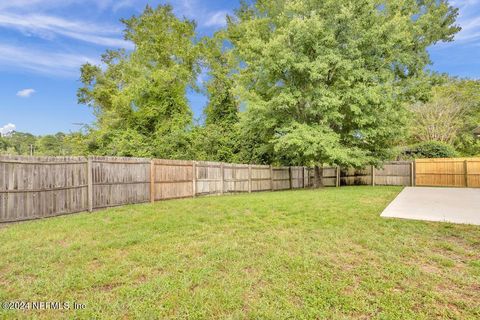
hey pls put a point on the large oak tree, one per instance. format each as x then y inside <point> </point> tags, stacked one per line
<point>328,81</point>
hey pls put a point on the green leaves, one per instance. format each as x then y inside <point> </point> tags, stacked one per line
<point>139,97</point>
<point>450,115</point>
<point>314,144</point>
<point>431,149</point>
<point>323,80</point>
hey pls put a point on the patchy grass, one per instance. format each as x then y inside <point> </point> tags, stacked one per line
<point>301,254</point>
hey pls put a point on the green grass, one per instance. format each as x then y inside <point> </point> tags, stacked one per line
<point>309,254</point>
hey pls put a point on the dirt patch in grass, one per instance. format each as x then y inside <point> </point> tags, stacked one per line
<point>107,287</point>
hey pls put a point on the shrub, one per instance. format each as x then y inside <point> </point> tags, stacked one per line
<point>431,149</point>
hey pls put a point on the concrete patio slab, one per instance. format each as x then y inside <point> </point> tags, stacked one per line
<point>457,205</point>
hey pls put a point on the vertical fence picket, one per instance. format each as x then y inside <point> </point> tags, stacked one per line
<point>249,178</point>
<point>412,174</point>
<point>466,173</point>
<point>271,178</point>
<point>194,179</point>
<point>90,184</point>
<point>152,181</point>
<point>373,175</point>
<point>337,180</point>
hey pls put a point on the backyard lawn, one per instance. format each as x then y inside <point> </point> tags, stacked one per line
<point>308,254</point>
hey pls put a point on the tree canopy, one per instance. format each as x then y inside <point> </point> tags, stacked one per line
<point>217,138</point>
<point>139,97</point>
<point>326,81</point>
<point>59,144</point>
<point>451,115</point>
<point>304,82</point>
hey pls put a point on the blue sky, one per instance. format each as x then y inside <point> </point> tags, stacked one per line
<point>44,42</point>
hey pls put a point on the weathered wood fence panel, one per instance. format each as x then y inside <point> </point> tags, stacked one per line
<point>329,177</point>
<point>261,178</point>
<point>172,179</point>
<point>306,177</point>
<point>281,178</point>
<point>395,173</point>
<point>236,177</point>
<point>119,181</point>
<point>298,177</point>
<point>448,172</point>
<point>209,177</point>
<point>354,177</point>
<point>38,187</point>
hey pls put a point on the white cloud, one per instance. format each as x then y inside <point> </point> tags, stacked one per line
<point>217,19</point>
<point>36,18</point>
<point>188,6</point>
<point>122,4</point>
<point>463,3</point>
<point>53,63</point>
<point>470,29</point>
<point>6,129</point>
<point>48,27</point>
<point>46,4</point>
<point>194,9</point>
<point>18,3</point>
<point>468,19</point>
<point>25,93</point>
<point>54,56</point>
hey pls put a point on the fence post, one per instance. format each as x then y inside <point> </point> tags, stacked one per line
<point>308,177</point>
<point>271,177</point>
<point>222,174</point>
<point>412,175</point>
<point>249,178</point>
<point>465,164</point>
<point>303,177</point>
<point>152,181</point>
<point>194,178</point>
<point>337,181</point>
<point>373,175</point>
<point>290,175</point>
<point>90,184</point>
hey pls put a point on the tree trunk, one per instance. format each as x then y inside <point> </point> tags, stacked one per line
<point>317,180</point>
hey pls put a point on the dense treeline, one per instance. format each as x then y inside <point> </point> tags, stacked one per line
<point>60,144</point>
<point>290,82</point>
<point>450,116</point>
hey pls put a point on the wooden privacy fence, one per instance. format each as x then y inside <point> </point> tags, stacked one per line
<point>452,172</point>
<point>32,187</point>
<point>393,173</point>
<point>38,187</point>
<point>117,181</point>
